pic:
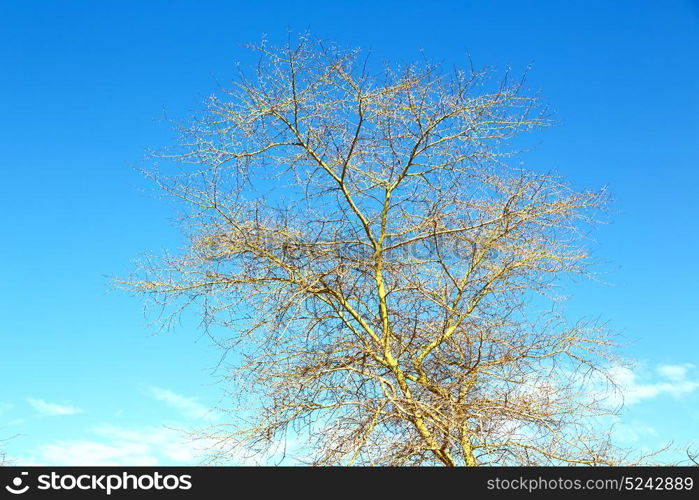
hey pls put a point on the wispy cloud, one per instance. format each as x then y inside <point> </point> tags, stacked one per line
<point>120,446</point>
<point>633,432</point>
<point>188,407</point>
<point>675,372</point>
<point>670,379</point>
<point>166,443</point>
<point>94,453</point>
<point>52,409</point>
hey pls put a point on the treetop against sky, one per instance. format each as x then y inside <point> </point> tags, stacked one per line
<point>86,88</point>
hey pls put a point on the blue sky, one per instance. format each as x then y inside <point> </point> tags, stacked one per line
<point>83,90</point>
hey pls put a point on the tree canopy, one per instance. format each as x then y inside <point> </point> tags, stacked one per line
<point>383,270</point>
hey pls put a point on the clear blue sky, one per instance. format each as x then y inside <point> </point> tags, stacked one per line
<point>83,88</point>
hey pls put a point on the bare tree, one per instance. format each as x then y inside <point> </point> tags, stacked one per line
<point>3,453</point>
<point>384,274</point>
<point>693,457</point>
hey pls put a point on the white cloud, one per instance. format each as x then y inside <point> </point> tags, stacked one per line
<point>95,453</point>
<point>675,372</point>
<point>634,432</point>
<point>120,446</point>
<point>168,443</point>
<point>52,409</point>
<point>189,407</point>
<point>113,445</point>
<point>674,381</point>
